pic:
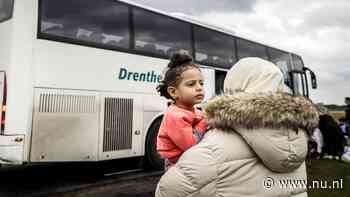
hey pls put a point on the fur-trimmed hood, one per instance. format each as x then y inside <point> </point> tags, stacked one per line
<point>261,110</point>
<point>273,125</point>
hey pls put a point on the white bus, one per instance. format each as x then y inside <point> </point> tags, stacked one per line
<point>78,77</point>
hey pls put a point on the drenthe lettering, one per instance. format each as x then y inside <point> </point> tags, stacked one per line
<point>151,76</point>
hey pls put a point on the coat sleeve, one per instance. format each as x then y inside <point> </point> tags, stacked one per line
<point>180,131</point>
<point>195,170</point>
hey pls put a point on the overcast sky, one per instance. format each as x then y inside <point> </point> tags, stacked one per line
<point>318,30</point>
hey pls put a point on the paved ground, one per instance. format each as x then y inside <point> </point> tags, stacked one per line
<point>78,180</point>
<point>87,181</point>
<point>143,187</point>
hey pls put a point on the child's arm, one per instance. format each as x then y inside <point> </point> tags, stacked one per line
<point>202,126</point>
<point>180,131</point>
<point>200,129</point>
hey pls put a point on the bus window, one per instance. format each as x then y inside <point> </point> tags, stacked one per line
<point>282,60</point>
<point>250,49</point>
<point>6,9</point>
<point>214,48</point>
<point>160,35</point>
<point>101,22</point>
<point>219,81</point>
<point>297,86</point>
<point>297,63</point>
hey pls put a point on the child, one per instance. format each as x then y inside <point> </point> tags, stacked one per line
<point>183,125</point>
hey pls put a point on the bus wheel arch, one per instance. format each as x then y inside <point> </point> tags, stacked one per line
<point>152,159</point>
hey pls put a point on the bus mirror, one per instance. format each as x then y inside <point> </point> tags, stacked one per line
<point>313,80</point>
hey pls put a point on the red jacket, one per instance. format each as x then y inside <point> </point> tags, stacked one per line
<point>179,131</point>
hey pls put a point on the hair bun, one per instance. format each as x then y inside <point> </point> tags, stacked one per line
<point>178,59</point>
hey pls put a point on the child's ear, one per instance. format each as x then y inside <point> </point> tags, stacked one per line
<point>172,92</point>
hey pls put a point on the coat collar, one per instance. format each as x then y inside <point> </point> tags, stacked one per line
<point>261,110</point>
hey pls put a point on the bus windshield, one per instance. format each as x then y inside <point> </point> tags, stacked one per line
<point>6,8</point>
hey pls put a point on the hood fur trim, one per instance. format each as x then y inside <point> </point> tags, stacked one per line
<point>261,110</point>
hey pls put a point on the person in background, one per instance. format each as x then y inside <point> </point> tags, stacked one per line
<point>333,140</point>
<point>347,110</point>
<point>344,126</point>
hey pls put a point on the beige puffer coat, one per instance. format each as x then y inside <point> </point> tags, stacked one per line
<point>257,147</point>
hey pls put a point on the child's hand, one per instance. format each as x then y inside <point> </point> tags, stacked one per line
<point>202,126</point>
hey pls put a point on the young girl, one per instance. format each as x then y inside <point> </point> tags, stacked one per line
<point>183,125</point>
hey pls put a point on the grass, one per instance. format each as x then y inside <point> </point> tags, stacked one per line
<point>337,114</point>
<point>327,171</point>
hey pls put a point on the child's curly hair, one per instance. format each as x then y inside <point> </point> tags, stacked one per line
<point>179,63</point>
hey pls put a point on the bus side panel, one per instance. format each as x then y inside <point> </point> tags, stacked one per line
<point>16,38</point>
<point>151,111</point>
<point>11,149</point>
<point>6,29</point>
<point>68,66</point>
<point>19,70</point>
<point>121,126</point>
<point>77,125</point>
<point>65,126</point>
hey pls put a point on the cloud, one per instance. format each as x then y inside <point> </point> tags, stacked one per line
<point>329,15</point>
<point>197,7</point>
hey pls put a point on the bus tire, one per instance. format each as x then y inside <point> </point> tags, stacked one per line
<point>152,160</point>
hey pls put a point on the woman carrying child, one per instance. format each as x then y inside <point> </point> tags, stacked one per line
<point>258,140</point>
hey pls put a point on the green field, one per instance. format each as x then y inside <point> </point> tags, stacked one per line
<point>329,170</point>
<point>337,114</point>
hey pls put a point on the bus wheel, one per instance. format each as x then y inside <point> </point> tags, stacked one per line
<point>153,161</point>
